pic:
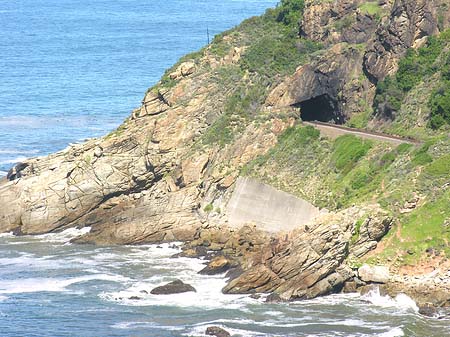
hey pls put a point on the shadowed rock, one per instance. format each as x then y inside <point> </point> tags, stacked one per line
<point>217,331</point>
<point>174,287</point>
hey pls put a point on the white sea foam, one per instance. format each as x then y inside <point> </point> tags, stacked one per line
<point>28,262</point>
<point>31,285</point>
<point>64,236</point>
<point>135,325</point>
<point>200,330</point>
<point>7,235</point>
<point>3,298</point>
<point>19,151</point>
<point>13,160</point>
<point>208,288</point>
<point>401,301</point>
<point>3,173</point>
<point>395,332</point>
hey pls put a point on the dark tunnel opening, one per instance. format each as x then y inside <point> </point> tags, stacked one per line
<point>321,108</point>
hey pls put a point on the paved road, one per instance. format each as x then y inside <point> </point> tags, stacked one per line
<point>334,131</point>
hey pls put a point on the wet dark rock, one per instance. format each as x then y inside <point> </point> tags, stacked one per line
<point>274,298</point>
<point>135,298</point>
<point>217,331</point>
<point>174,287</point>
<point>234,273</point>
<point>428,310</point>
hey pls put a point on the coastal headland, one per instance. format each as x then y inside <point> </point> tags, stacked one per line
<point>217,156</point>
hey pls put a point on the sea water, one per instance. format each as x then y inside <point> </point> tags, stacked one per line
<point>71,70</point>
<point>49,287</point>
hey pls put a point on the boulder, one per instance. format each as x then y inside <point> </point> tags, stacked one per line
<point>217,265</point>
<point>174,287</point>
<point>217,331</point>
<point>428,310</point>
<point>377,274</point>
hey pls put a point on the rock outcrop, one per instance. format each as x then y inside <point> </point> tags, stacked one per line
<point>307,264</point>
<point>409,25</point>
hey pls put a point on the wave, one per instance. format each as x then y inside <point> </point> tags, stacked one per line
<point>63,237</point>
<point>401,301</point>
<point>19,152</point>
<point>13,160</point>
<point>200,330</point>
<point>32,285</point>
<point>7,235</point>
<point>395,332</point>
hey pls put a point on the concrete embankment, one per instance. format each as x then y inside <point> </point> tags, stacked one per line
<point>271,210</point>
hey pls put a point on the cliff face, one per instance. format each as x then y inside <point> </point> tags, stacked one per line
<point>169,171</point>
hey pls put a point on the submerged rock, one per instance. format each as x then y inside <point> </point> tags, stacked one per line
<point>217,331</point>
<point>174,287</point>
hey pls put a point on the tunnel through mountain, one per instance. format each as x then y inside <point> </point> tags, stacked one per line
<point>321,108</point>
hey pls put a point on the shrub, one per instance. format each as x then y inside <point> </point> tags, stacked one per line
<point>440,107</point>
<point>421,156</point>
<point>208,208</point>
<point>413,69</point>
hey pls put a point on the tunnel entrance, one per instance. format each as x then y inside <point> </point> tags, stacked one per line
<point>321,108</point>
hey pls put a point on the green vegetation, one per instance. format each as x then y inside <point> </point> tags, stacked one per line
<point>423,233</point>
<point>439,168</point>
<point>278,51</point>
<point>291,146</point>
<point>432,60</point>
<point>357,232</point>
<point>371,8</point>
<point>347,150</point>
<point>274,56</point>
<point>273,50</point>
<point>208,208</point>
<point>421,156</point>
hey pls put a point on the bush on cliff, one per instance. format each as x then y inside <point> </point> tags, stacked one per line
<point>430,61</point>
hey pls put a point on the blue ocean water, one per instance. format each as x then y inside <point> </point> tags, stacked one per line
<point>50,288</point>
<point>74,69</point>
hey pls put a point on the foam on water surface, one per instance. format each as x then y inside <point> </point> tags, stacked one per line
<point>32,285</point>
<point>401,301</point>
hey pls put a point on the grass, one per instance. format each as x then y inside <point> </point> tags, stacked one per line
<point>347,150</point>
<point>440,168</point>
<point>424,229</point>
<point>371,8</point>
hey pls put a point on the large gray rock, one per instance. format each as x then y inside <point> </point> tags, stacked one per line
<point>378,274</point>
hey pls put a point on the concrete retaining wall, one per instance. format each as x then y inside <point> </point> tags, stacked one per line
<point>272,210</point>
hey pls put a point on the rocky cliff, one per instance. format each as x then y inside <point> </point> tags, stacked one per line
<point>233,109</point>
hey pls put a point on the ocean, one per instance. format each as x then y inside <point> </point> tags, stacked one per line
<point>71,70</point>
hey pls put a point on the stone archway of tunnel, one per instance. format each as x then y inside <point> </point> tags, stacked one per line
<point>320,109</point>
